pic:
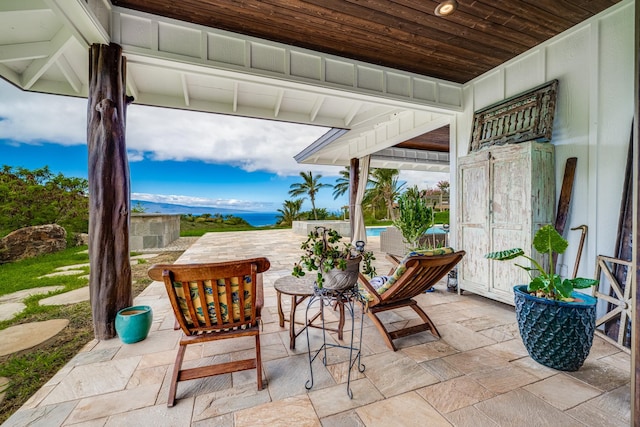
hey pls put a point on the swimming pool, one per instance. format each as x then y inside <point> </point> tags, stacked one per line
<point>375,231</point>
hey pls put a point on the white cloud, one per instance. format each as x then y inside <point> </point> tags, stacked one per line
<point>164,134</point>
<point>424,180</point>
<point>199,201</point>
<point>251,144</point>
<point>36,118</point>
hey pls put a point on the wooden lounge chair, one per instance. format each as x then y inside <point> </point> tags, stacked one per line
<point>228,314</point>
<point>412,276</point>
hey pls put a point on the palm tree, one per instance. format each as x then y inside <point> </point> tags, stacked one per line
<point>443,186</point>
<point>310,186</point>
<point>384,186</point>
<point>342,183</point>
<point>290,211</point>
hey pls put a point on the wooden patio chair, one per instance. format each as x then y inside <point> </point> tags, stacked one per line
<point>412,276</point>
<point>229,313</point>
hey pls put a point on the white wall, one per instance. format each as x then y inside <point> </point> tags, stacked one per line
<point>594,63</point>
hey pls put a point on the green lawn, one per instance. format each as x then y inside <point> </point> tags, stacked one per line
<point>24,274</point>
<point>30,369</point>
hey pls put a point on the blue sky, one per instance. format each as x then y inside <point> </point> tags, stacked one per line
<point>175,156</point>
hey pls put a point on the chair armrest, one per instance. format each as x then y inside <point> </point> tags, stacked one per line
<point>370,289</point>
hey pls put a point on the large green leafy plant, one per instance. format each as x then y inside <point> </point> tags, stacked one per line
<point>323,251</point>
<point>546,283</point>
<point>415,217</point>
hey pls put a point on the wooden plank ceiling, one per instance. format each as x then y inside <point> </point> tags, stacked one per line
<point>401,34</point>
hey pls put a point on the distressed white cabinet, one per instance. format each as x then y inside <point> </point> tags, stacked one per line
<point>505,193</point>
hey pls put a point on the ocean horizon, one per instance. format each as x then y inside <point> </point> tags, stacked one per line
<point>257,219</point>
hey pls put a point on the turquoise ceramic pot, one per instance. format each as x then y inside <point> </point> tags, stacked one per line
<point>133,323</point>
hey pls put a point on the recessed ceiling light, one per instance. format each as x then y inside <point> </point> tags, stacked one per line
<point>446,8</point>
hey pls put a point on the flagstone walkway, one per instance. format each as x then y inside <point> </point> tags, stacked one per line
<point>477,374</point>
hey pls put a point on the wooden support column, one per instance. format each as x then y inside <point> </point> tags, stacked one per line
<point>354,179</point>
<point>109,191</point>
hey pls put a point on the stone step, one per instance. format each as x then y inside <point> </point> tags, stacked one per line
<point>27,335</point>
<point>71,297</point>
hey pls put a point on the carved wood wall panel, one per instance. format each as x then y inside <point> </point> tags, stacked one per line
<point>524,117</point>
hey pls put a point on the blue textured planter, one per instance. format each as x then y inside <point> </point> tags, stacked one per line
<point>133,323</point>
<point>556,334</point>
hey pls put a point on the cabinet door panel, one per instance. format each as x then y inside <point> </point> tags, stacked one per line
<point>475,268</point>
<point>510,198</point>
<point>475,182</point>
<point>505,274</point>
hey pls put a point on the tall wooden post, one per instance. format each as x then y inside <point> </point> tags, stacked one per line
<point>354,179</point>
<point>109,192</point>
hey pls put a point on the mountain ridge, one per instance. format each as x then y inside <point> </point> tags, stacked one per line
<point>170,208</point>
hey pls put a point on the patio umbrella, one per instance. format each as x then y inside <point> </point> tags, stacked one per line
<point>359,232</point>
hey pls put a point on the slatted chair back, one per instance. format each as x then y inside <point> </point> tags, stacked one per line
<point>215,296</point>
<point>422,273</point>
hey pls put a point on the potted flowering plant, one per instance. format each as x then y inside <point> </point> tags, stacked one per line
<point>556,322</point>
<point>336,263</point>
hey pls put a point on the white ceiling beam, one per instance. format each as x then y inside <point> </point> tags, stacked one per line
<point>316,108</point>
<point>80,21</point>
<point>219,107</point>
<point>185,88</point>
<point>24,51</point>
<point>352,113</point>
<point>9,74</point>
<point>69,74</point>
<point>278,104</point>
<point>38,67</point>
<point>235,97</point>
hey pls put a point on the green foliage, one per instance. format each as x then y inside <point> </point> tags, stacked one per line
<point>310,186</point>
<point>546,283</point>
<point>441,217</point>
<point>290,212</point>
<point>37,197</point>
<point>323,251</point>
<point>138,208</point>
<point>341,186</point>
<point>235,221</point>
<point>192,226</point>
<point>384,188</point>
<point>414,218</point>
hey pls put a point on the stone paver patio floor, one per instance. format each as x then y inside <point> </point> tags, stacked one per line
<point>477,374</point>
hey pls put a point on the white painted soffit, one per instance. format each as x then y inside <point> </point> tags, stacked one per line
<point>338,146</point>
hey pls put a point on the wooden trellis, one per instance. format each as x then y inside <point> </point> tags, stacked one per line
<point>619,298</point>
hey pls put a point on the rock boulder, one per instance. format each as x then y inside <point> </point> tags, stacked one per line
<point>29,242</point>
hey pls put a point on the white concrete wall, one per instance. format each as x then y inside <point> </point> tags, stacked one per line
<point>594,63</point>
